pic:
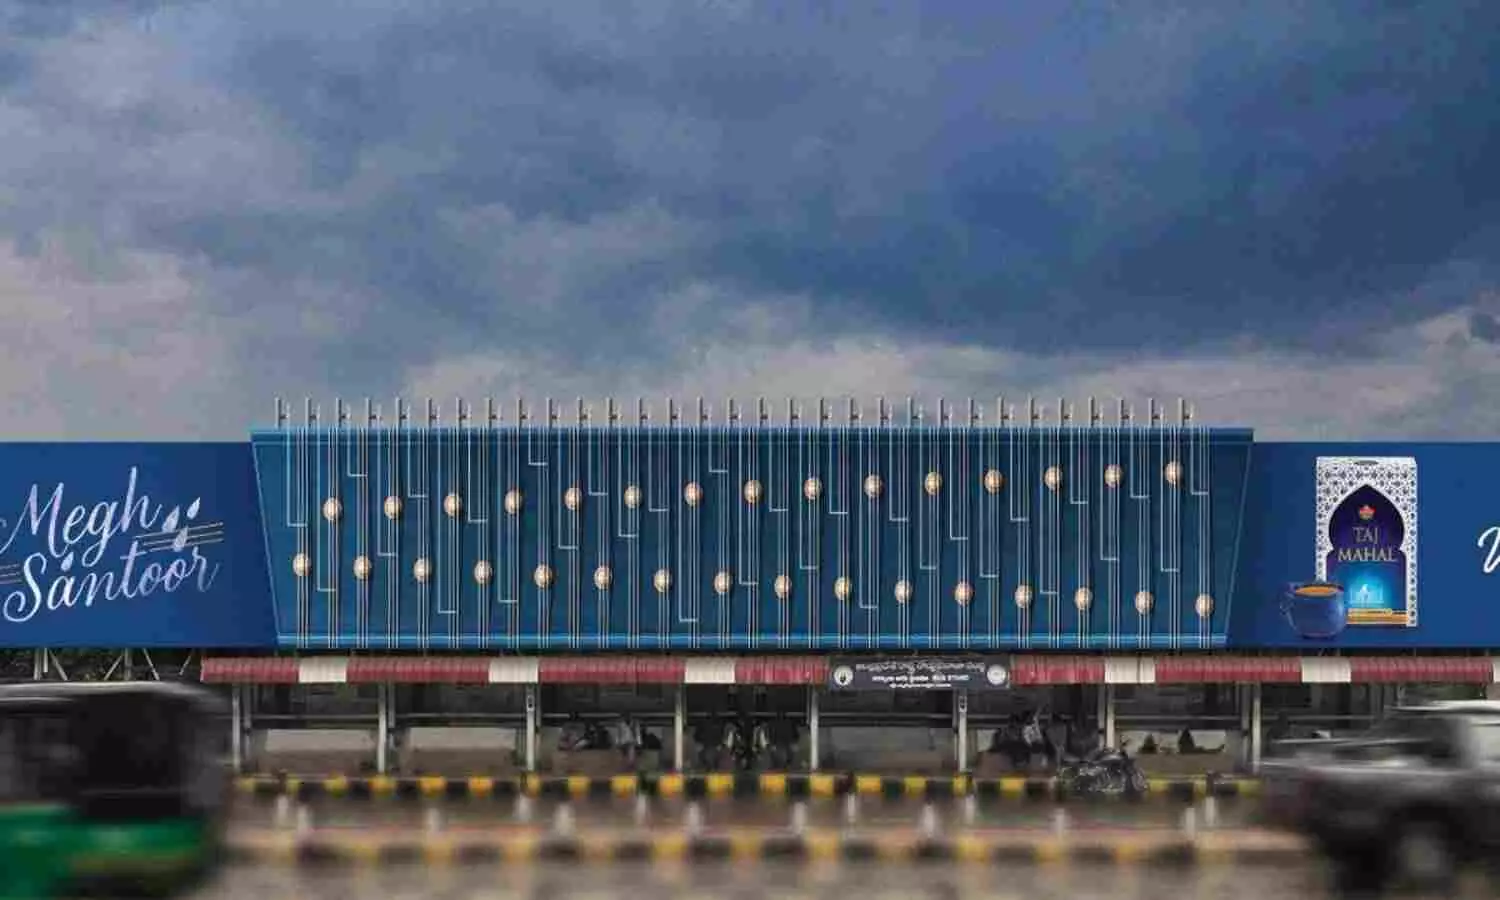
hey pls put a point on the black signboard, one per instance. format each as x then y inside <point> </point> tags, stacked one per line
<point>917,673</point>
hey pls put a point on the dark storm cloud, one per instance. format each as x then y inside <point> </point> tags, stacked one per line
<point>1134,179</point>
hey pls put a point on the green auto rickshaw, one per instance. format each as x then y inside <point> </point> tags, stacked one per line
<point>115,785</point>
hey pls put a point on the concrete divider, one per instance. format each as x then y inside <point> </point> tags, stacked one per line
<point>1167,849</point>
<point>727,785</point>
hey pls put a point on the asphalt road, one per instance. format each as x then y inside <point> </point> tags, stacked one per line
<point>667,813</point>
<point>757,882</point>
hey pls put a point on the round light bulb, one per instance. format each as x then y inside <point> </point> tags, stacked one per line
<point>332,509</point>
<point>812,489</point>
<point>362,567</point>
<point>994,481</point>
<point>301,565</point>
<point>391,507</point>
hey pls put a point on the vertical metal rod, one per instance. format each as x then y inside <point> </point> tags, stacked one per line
<point>1243,695</point>
<point>812,729</point>
<point>679,729</point>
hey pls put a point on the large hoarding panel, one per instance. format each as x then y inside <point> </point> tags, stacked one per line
<point>707,538</point>
<point>131,545</point>
<point>1389,546</point>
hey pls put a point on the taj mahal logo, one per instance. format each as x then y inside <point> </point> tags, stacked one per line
<point>1367,537</point>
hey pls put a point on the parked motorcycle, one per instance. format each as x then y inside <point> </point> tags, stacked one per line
<point>1104,772</point>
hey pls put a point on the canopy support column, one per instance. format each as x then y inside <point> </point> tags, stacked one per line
<point>961,713</point>
<point>812,729</point>
<point>237,727</point>
<point>531,727</point>
<point>1256,731</point>
<point>382,728</point>
<point>679,729</point>
<point>1107,713</point>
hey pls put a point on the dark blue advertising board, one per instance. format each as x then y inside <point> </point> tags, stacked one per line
<point>1364,546</point>
<point>131,545</point>
<point>445,542</point>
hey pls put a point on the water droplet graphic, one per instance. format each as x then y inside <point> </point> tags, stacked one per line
<point>170,524</point>
<point>181,542</point>
<point>67,563</point>
<point>192,510</point>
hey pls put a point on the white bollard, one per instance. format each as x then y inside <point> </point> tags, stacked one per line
<point>283,811</point>
<point>694,820</point>
<point>562,822</point>
<point>851,809</point>
<point>1190,820</point>
<point>304,819</point>
<point>799,817</point>
<point>642,809</point>
<point>523,809</point>
<point>1059,820</point>
<point>432,820</point>
<point>928,824</point>
<point>971,809</point>
<point>1210,811</point>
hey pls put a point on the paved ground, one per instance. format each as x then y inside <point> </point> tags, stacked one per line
<point>765,882</point>
<point>653,812</point>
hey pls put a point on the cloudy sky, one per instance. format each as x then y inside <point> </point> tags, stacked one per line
<point>1288,212</point>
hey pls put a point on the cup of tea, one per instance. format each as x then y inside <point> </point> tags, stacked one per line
<point>1316,609</point>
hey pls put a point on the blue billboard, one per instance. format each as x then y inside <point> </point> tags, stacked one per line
<point>724,539</point>
<point>131,545</point>
<point>1390,546</point>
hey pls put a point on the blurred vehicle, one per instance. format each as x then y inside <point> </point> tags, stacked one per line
<point>113,785</point>
<point>1417,797</point>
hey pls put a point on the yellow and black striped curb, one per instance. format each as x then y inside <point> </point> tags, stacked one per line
<point>520,850</point>
<point>726,785</point>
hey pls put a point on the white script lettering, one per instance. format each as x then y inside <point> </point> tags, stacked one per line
<point>67,559</point>
<point>1491,537</point>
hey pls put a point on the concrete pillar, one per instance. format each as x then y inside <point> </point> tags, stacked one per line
<point>812,729</point>
<point>679,730</point>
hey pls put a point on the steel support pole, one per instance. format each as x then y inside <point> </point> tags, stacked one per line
<point>1107,713</point>
<point>1243,698</point>
<point>237,727</point>
<point>679,730</point>
<point>961,703</point>
<point>382,727</point>
<point>531,727</point>
<point>812,729</point>
<point>1256,731</point>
